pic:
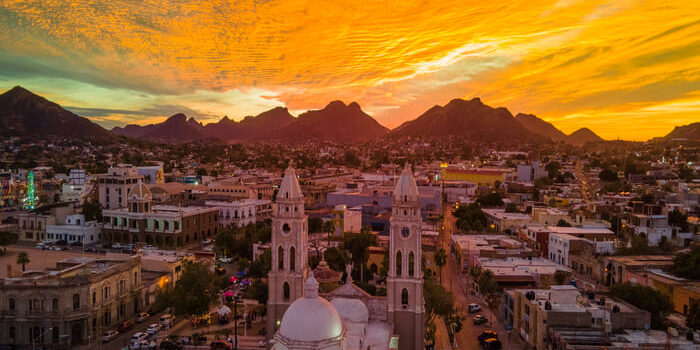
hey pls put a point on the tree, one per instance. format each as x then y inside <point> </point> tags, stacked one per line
<point>261,266</point>
<point>678,219</point>
<point>552,168</point>
<point>258,290</point>
<point>563,223</point>
<point>608,175</point>
<point>315,225</point>
<point>23,259</point>
<point>336,258</point>
<point>470,217</point>
<point>488,287</point>
<point>196,291</point>
<point>440,260</point>
<point>358,245</point>
<point>7,238</point>
<point>646,298</point>
<point>687,265</point>
<point>92,210</point>
<point>492,199</point>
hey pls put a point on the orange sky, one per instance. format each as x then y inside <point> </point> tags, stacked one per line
<point>622,68</point>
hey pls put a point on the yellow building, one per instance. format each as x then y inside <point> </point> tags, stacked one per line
<point>479,176</point>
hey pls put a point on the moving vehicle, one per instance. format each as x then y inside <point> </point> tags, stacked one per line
<point>125,326</point>
<point>488,334</point>
<point>153,329</point>
<point>474,308</point>
<point>109,335</point>
<point>479,319</point>
<point>225,259</point>
<point>142,316</point>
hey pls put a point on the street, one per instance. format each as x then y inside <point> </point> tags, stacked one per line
<point>453,280</point>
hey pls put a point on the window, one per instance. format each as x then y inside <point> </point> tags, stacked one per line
<point>12,304</point>
<point>292,256</point>
<point>166,225</point>
<point>11,334</point>
<point>411,263</point>
<point>404,297</point>
<point>94,297</point>
<point>398,263</point>
<point>156,224</point>
<point>177,225</point>
<point>54,304</point>
<point>280,258</point>
<point>285,291</point>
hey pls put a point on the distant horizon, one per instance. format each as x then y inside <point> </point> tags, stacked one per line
<point>624,70</point>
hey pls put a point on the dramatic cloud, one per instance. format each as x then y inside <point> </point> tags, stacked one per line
<point>607,65</point>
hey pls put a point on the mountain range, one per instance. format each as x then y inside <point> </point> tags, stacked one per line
<point>25,114</point>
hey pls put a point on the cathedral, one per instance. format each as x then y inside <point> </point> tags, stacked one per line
<point>346,318</point>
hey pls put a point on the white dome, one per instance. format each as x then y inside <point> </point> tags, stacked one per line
<point>352,310</point>
<point>311,318</point>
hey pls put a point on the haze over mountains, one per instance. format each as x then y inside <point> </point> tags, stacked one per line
<point>23,113</point>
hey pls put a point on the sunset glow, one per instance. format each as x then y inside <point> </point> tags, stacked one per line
<point>628,69</point>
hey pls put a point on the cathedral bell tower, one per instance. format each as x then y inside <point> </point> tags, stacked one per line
<point>289,250</point>
<point>405,279</point>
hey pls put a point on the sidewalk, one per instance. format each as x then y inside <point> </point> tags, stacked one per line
<point>442,340</point>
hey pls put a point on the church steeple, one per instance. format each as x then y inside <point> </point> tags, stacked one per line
<point>405,279</point>
<point>289,250</point>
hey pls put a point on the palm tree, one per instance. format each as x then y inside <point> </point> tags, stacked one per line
<point>440,260</point>
<point>23,258</point>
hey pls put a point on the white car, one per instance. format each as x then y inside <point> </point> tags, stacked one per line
<point>474,308</point>
<point>153,329</point>
<point>225,259</point>
<point>109,335</point>
<point>206,241</point>
<point>138,336</point>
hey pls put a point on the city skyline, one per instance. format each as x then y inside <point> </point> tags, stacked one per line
<point>592,64</point>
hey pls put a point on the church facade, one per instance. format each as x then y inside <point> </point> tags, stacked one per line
<point>347,317</point>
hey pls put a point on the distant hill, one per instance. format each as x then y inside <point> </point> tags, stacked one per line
<point>336,122</point>
<point>176,129</point>
<point>251,128</point>
<point>690,132</point>
<point>471,119</point>
<point>538,126</point>
<point>582,136</point>
<point>25,114</point>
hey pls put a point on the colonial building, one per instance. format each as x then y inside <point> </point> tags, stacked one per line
<point>347,317</point>
<point>161,225</point>
<point>242,212</point>
<point>69,305</point>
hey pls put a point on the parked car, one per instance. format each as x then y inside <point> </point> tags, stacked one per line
<point>125,326</point>
<point>479,319</point>
<point>139,336</point>
<point>167,320</point>
<point>116,246</point>
<point>109,335</point>
<point>225,259</point>
<point>142,316</point>
<point>148,247</point>
<point>491,344</point>
<point>488,334</point>
<point>61,242</point>
<point>77,243</point>
<point>154,328</point>
<point>474,308</point>
<point>219,345</point>
<point>206,241</point>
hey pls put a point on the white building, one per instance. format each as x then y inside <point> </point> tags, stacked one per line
<point>560,244</point>
<point>529,173</point>
<point>114,186</point>
<point>76,229</point>
<point>242,212</point>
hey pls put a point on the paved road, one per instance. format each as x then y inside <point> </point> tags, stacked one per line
<point>454,280</point>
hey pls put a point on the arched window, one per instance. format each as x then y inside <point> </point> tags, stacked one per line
<point>399,263</point>
<point>404,297</point>
<point>280,258</point>
<point>411,264</point>
<point>94,297</point>
<point>76,301</point>
<point>285,291</point>
<point>405,198</point>
<point>292,257</point>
